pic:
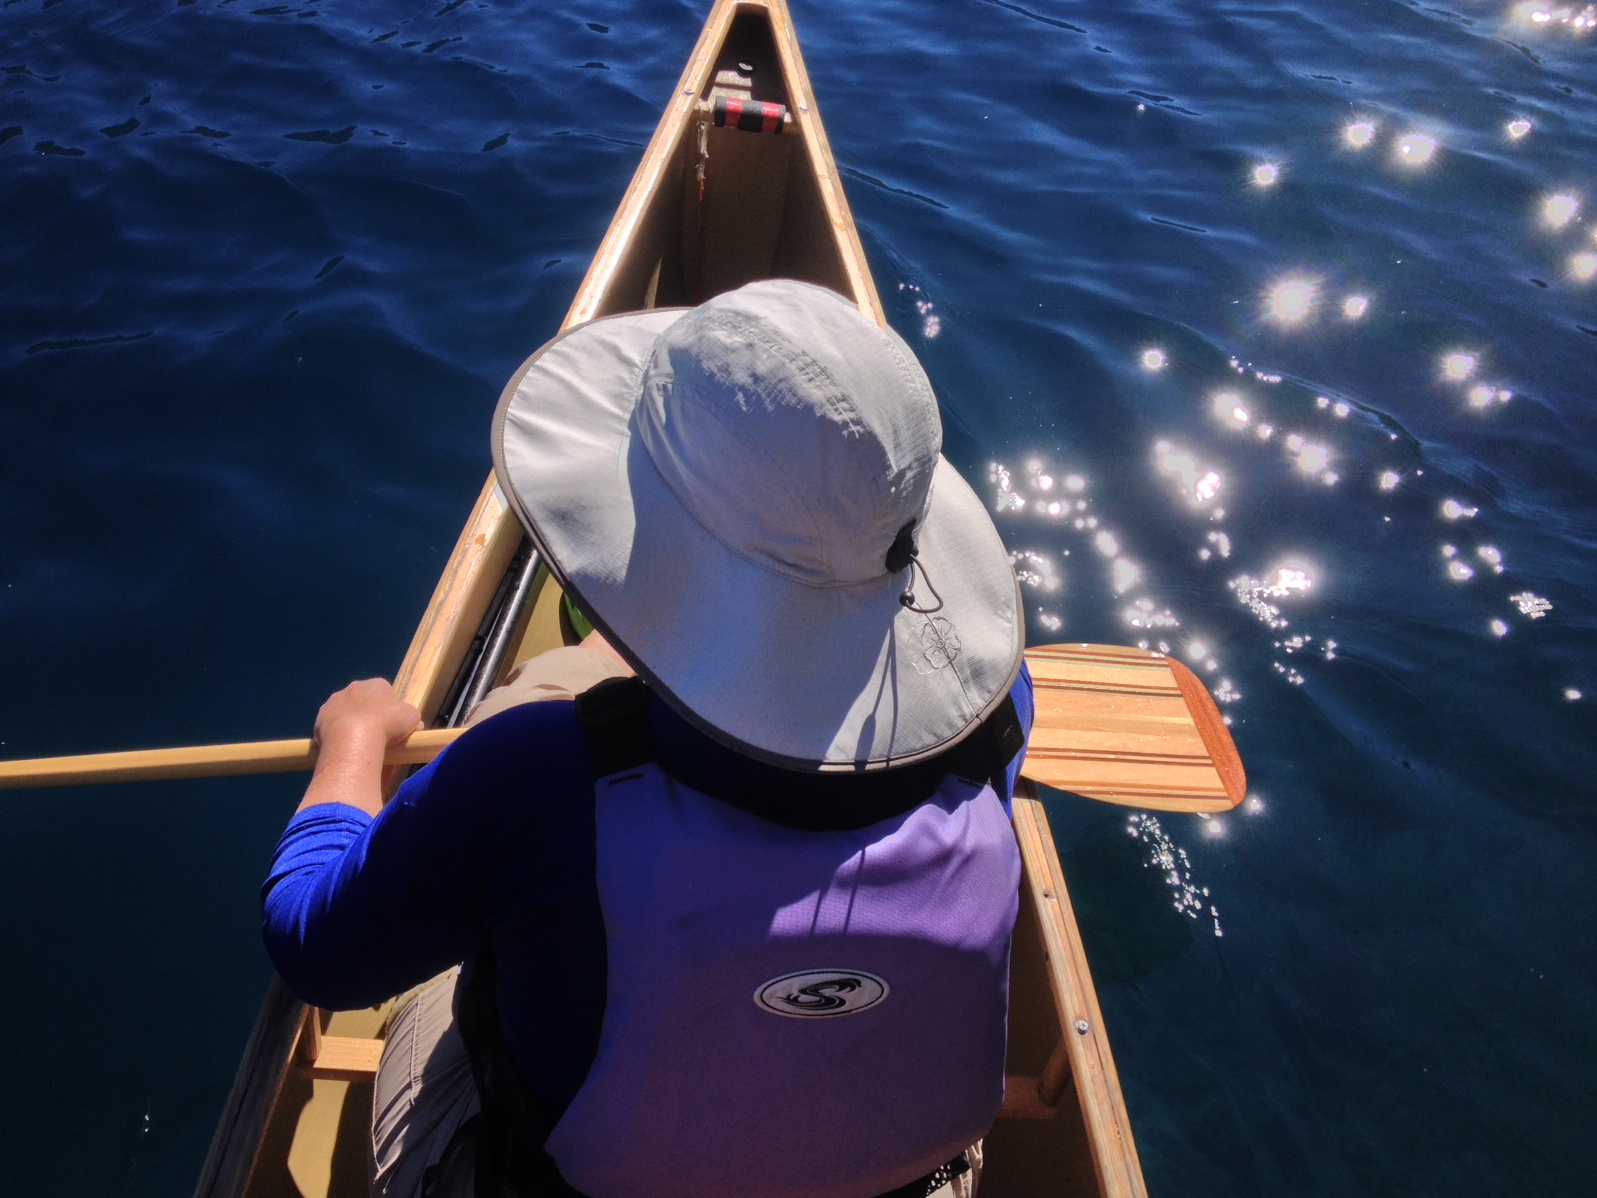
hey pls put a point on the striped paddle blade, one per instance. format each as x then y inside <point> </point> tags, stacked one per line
<point>1132,727</point>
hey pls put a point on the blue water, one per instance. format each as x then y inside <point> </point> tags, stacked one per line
<point>263,274</point>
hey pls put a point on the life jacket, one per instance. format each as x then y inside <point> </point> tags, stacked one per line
<point>789,1013</point>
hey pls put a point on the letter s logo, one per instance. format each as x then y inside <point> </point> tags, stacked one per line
<point>820,993</point>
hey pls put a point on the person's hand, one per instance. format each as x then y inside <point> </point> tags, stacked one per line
<point>363,710</point>
<point>354,729</point>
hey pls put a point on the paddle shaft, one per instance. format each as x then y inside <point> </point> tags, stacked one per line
<point>200,761</point>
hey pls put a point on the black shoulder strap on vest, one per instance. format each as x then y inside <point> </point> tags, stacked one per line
<point>985,754</point>
<point>615,718</point>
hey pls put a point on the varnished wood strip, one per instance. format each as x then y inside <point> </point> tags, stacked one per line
<point>1104,688</point>
<point>1092,1065</point>
<point>1125,757</point>
<point>1158,800</point>
<point>1071,730</point>
<point>1122,791</point>
<point>1216,736</point>
<point>1118,655</point>
<point>1158,786</point>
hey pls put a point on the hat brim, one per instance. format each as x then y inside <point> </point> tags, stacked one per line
<point>806,677</point>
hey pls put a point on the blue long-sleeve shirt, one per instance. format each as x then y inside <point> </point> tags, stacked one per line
<point>493,845</point>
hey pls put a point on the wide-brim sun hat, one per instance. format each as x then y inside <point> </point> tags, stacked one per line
<point>749,500</point>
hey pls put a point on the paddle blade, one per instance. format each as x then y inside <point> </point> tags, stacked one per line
<point>1131,727</point>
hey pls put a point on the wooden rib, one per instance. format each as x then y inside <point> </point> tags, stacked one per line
<point>1092,1064</point>
<point>1055,1074</point>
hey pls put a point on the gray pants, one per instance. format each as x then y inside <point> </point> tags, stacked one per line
<point>424,1089</point>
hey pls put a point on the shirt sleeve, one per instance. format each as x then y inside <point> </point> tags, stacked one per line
<point>356,909</point>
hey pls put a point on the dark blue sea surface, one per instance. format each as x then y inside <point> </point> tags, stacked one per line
<point>1269,328</point>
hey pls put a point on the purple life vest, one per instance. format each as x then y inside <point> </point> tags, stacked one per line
<point>792,1013</point>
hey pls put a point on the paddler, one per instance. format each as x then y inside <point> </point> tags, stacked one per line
<point>731,907</point>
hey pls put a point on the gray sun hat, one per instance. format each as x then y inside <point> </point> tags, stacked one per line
<point>732,494</point>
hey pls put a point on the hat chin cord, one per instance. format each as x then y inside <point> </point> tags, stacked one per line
<point>903,552</point>
<point>907,599</point>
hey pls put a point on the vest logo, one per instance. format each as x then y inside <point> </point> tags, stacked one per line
<point>821,993</point>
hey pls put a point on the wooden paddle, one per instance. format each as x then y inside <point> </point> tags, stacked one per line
<point>1122,725</point>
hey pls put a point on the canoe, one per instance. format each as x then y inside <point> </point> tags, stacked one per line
<point>737,184</point>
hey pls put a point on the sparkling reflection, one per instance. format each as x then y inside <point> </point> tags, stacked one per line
<point>1415,149</point>
<point>1287,582</point>
<point>1355,306</point>
<point>1124,575</point>
<point>1484,396</point>
<point>1458,365</point>
<point>1199,484</point>
<point>1291,300</point>
<point>1498,628</point>
<point>1559,210</point>
<point>1518,129</point>
<point>1389,480</point>
<point>1452,509</point>
<point>1584,267</point>
<point>1171,862</point>
<point>1227,407</point>
<point>1310,459</point>
<point>1539,13</point>
<point>1532,606</point>
<point>1266,174</point>
<point>1153,359</point>
<point>1359,134</point>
